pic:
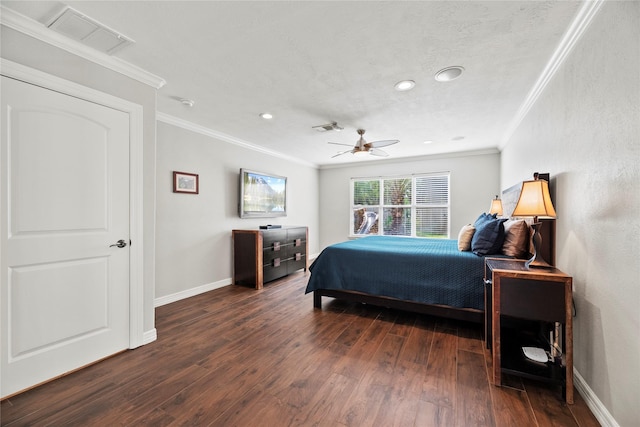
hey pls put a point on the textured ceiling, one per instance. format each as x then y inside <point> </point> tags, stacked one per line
<point>313,62</point>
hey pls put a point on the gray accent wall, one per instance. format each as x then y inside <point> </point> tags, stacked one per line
<point>585,130</point>
<point>193,232</point>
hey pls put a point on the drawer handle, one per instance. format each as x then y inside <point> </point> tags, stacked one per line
<point>298,242</point>
<point>276,262</point>
<point>276,246</point>
<point>298,256</point>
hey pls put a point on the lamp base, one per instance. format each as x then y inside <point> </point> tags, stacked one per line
<point>536,261</point>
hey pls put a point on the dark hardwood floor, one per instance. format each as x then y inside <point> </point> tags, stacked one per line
<point>241,357</point>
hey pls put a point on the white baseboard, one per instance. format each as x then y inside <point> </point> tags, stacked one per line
<point>601,413</point>
<point>149,336</point>
<point>167,299</point>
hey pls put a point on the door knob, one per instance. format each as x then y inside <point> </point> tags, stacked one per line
<point>120,243</point>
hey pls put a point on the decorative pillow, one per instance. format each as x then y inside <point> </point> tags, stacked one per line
<point>465,236</point>
<point>484,217</point>
<point>516,238</point>
<point>489,236</point>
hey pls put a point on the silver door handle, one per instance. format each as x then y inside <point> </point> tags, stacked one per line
<point>120,243</point>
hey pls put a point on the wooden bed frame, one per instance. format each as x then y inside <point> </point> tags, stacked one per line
<point>510,198</point>
<point>468,314</point>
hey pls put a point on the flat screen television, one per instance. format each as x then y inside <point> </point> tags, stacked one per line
<point>262,195</point>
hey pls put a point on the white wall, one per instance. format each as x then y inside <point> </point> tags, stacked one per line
<point>585,131</point>
<point>475,180</point>
<point>193,243</point>
<point>36,54</point>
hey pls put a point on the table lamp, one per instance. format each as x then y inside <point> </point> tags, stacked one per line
<point>535,201</point>
<point>496,206</point>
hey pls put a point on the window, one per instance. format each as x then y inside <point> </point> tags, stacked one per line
<point>401,206</point>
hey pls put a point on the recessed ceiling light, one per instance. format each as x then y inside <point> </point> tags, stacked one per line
<point>187,102</point>
<point>404,85</point>
<point>448,74</point>
<point>428,142</point>
<point>266,116</point>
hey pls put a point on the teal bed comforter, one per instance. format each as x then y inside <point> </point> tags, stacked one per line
<point>431,271</point>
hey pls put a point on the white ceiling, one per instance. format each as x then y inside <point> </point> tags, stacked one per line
<point>313,62</point>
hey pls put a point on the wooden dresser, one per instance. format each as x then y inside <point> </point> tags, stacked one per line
<point>263,255</point>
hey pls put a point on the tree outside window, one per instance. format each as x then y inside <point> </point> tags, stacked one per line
<point>404,206</point>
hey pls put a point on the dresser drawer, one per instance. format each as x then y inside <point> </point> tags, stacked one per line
<point>273,238</point>
<point>297,236</point>
<point>272,272</point>
<point>296,263</point>
<point>273,258</point>
<point>296,252</point>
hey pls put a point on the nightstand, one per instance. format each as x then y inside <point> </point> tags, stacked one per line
<point>522,307</point>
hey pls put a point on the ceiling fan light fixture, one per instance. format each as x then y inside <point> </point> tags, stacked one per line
<point>404,85</point>
<point>449,74</point>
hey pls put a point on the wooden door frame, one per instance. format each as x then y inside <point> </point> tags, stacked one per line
<point>135,111</point>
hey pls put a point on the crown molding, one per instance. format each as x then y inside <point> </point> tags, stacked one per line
<point>11,19</point>
<point>185,124</point>
<point>409,159</point>
<point>582,20</point>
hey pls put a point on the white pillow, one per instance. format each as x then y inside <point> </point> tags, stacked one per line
<point>465,236</point>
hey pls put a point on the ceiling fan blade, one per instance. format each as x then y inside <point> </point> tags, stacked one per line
<point>339,143</point>
<point>341,153</point>
<point>364,146</point>
<point>383,143</point>
<point>378,152</point>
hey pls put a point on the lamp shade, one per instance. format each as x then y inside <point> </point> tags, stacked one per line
<point>535,200</point>
<point>496,206</point>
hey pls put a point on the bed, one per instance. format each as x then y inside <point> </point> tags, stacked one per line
<point>430,276</point>
<point>416,274</point>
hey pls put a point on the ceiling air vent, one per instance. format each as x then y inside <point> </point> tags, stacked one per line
<point>328,127</point>
<point>74,24</point>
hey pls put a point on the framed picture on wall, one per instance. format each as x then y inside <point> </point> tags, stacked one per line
<point>185,182</point>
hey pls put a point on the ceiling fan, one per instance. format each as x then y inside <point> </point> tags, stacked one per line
<point>363,146</point>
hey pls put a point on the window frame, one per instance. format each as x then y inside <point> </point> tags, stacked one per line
<point>413,206</point>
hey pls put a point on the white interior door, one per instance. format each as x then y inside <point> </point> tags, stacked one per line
<point>64,183</point>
